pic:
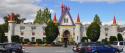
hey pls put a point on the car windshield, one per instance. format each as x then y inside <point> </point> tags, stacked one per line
<point>115,43</point>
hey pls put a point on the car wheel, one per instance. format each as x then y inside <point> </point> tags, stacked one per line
<point>117,52</point>
<point>96,52</point>
<point>13,52</point>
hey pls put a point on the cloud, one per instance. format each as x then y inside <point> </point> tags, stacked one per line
<point>108,1</point>
<point>26,8</point>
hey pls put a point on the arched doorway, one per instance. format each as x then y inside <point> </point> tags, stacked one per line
<point>65,36</point>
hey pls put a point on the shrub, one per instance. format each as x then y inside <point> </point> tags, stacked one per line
<point>26,41</point>
<point>84,39</point>
<point>119,36</point>
<point>112,39</point>
<point>105,41</point>
<point>16,39</point>
<point>39,41</point>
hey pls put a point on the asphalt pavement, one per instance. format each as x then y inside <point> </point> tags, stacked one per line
<point>48,50</point>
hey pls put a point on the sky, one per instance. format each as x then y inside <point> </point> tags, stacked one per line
<point>87,9</point>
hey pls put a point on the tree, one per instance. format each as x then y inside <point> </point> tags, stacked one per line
<point>16,39</point>
<point>39,41</point>
<point>105,41</point>
<point>97,19</point>
<point>18,20</point>
<point>119,36</point>
<point>51,32</point>
<point>43,16</point>
<point>93,32</point>
<point>84,39</point>
<point>26,41</point>
<point>3,38</point>
<point>112,39</point>
<point>39,19</point>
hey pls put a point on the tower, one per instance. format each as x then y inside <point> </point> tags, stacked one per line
<point>54,19</point>
<point>77,30</point>
<point>11,21</point>
<point>113,29</point>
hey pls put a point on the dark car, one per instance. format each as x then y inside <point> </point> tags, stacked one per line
<point>77,48</point>
<point>2,48</point>
<point>14,48</point>
<point>98,48</point>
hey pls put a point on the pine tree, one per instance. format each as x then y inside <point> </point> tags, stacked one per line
<point>119,36</point>
<point>43,16</point>
<point>93,31</point>
<point>39,19</point>
<point>51,32</point>
<point>46,15</point>
<point>97,19</point>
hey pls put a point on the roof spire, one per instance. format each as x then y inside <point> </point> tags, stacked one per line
<point>78,19</point>
<point>54,19</point>
<point>114,21</point>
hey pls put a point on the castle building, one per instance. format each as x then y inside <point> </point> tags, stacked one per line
<point>73,30</point>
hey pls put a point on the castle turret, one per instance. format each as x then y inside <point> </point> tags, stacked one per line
<point>114,21</point>
<point>62,7</point>
<point>11,21</point>
<point>113,29</point>
<point>77,30</point>
<point>54,19</point>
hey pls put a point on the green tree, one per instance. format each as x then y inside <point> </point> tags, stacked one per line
<point>51,32</point>
<point>119,36</point>
<point>39,19</point>
<point>84,39</point>
<point>18,20</point>
<point>105,41</point>
<point>43,16</point>
<point>26,41</point>
<point>112,39</point>
<point>16,39</point>
<point>39,41</point>
<point>93,31</point>
<point>3,38</point>
<point>97,19</point>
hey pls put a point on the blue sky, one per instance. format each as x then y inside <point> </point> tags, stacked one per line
<point>87,9</point>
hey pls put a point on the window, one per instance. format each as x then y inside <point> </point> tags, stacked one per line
<point>33,39</point>
<point>22,27</point>
<point>33,33</point>
<point>21,33</point>
<point>65,20</point>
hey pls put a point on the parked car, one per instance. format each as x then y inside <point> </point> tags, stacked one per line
<point>11,48</point>
<point>14,48</point>
<point>2,48</point>
<point>77,47</point>
<point>119,44</point>
<point>98,48</point>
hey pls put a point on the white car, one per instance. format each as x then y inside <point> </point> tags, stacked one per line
<point>119,44</point>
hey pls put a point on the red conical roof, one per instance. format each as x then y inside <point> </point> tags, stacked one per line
<point>54,19</point>
<point>62,6</point>
<point>78,19</point>
<point>114,21</point>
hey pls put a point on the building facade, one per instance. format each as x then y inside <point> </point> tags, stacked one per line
<point>73,30</point>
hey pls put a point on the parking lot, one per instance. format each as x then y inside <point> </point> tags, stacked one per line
<point>48,50</point>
